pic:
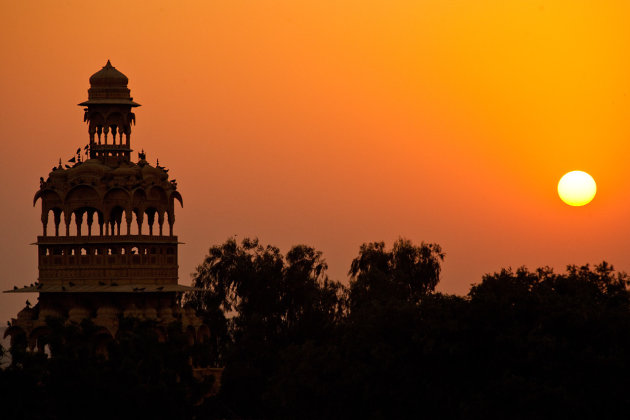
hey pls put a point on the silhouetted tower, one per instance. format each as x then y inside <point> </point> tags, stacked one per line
<point>103,265</point>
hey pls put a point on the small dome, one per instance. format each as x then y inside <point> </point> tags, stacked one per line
<point>109,86</point>
<point>109,76</point>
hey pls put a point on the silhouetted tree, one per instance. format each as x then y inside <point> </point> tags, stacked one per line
<point>406,273</point>
<point>267,302</point>
<point>140,376</point>
<point>521,345</point>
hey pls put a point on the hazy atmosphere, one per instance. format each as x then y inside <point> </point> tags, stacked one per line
<point>337,123</point>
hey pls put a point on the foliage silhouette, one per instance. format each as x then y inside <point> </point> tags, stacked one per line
<point>521,344</point>
<point>265,302</point>
<point>140,377</point>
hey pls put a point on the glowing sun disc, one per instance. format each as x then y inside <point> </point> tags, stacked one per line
<point>577,188</point>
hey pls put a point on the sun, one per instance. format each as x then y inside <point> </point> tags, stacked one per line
<point>577,188</point>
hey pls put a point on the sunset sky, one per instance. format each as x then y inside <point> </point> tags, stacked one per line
<point>333,123</point>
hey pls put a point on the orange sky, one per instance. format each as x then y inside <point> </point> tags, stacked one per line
<point>333,123</point>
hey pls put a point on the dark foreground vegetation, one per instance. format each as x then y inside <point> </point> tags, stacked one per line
<point>294,344</point>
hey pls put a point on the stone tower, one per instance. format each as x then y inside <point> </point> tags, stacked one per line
<point>113,256</point>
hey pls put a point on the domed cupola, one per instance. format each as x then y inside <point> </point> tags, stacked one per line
<point>109,85</point>
<point>108,111</point>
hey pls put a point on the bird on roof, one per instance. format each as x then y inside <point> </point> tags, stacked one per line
<point>28,304</point>
<point>15,287</point>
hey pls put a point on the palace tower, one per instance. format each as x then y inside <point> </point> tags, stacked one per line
<point>107,247</point>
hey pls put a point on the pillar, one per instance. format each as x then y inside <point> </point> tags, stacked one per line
<point>57,216</point>
<point>171,222</point>
<point>101,222</point>
<point>161,221</point>
<point>150,221</point>
<point>45,221</point>
<point>139,219</point>
<point>67,216</point>
<point>90,220</point>
<point>78,217</point>
<point>129,219</point>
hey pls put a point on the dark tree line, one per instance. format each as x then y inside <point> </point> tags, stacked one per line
<point>141,377</point>
<point>294,344</point>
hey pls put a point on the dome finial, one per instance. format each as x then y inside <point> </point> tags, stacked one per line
<point>109,64</point>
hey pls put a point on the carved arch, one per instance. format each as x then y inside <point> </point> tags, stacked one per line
<point>175,195</point>
<point>49,198</point>
<point>82,196</point>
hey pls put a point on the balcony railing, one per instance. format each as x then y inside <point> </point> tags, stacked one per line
<point>98,239</point>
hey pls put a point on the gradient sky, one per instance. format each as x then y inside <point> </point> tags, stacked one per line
<point>333,123</point>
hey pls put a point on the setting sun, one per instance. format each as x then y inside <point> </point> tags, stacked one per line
<point>577,188</point>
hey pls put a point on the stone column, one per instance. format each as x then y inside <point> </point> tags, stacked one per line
<point>139,219</point>
<point>129,219</point>
<point>90,220</point>
<point>161,221</point>
<point>78,217</point>
<point>45,221</point>
<point>57,216</point>
<point>67,216</point>
<point>171,222</point>
<point>150,221</point>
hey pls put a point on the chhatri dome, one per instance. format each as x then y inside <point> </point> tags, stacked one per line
<point>108,85</point>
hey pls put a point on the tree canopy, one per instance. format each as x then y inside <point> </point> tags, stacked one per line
<point>295,344</point>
